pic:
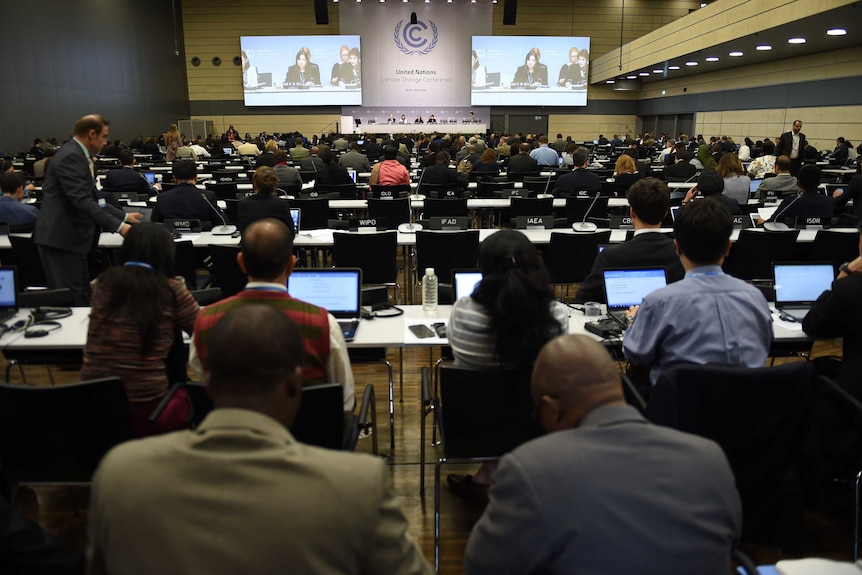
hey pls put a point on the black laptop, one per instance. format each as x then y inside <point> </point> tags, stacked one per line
<point>337,290</point>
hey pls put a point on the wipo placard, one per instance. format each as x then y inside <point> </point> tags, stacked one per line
<point>422,64</point>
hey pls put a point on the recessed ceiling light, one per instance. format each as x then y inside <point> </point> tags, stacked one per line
<point>609,81</point>
<point>764,47</point>
<point>673,67</point>
<point>644,74</point>
<point>657,71</point>
<point>691,63</point>
<point>836,32</point>
<point>631,77</point>
<point>796,41</point>
<point>735,54</point>
<point>712,58</point>
<point>663,92</point>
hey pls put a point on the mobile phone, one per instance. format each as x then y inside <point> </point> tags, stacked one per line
<point>439,328</point>
<point>421,331</point>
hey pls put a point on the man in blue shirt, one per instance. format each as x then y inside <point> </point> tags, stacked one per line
<point>544,155</point>
<point>20,217</point>
<point>709,316</point>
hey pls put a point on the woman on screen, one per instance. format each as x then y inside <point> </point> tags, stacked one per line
<point>583,59</point>
<point>249,72</point>
<point>479,75</point>
<point>569,73</point>
<point>419,120</point>
<point>351,71</point>
<point>533,72</point>
<point>344,54</point>
<point>303,73</point>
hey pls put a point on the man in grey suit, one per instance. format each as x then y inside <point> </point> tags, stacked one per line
<point>71,216</point>
<point>604,491</point>
<point>239,494</point>
<point>355,159</point>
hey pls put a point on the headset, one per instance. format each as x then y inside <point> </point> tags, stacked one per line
<point>40,322</point>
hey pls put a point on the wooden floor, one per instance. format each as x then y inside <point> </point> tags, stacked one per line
<point>63,510</point>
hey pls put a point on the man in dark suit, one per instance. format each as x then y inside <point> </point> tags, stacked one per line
<point>185,201</point>
<point>522,163</point>
<point>355,159</point>
<point>125,178</point>
<point>809,203</point>
<point>792,144</point>
<point>580,178</point>
<point>313,162</point>
<point>440,173</point>
<point>681,169</point>
<point>710,184</point>
<point>71,216</point>
<point>841,151</point>
<point>648,201</point>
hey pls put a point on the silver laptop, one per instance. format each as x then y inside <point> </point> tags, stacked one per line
<point>625,287</point>
<point>799,284</point>
<point>337,290</point>
<point>464,282</point>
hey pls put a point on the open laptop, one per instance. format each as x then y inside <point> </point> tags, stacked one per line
<point>352,173</point>
<point>799,284</point>
<point>8,293</point>
<point>464,282</point>
<point>337,290</point>
<point>625,287</point>
<point>296,216</point>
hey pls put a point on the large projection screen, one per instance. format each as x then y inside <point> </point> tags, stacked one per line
<point>301,70</point>
<point>529,71</point>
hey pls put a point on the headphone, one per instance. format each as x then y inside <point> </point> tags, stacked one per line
<point>41,321</point>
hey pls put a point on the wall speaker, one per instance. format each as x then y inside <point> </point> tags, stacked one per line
<point>216,61</point>
<point>196,61</point>
<point>237,61</point>
<point>413,19</point>
<point>321,12</point>
<point>510,10</point>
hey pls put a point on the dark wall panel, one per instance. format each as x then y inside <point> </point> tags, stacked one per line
<point>67,58</point>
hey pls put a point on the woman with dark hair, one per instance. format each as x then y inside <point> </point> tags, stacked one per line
<point>265,202</point>
<point>137,309</point>
<point>351,72</point>
<point>249,72</point>
<point>487,164</point>
<point>532,73</point>
<point>331,173</point>
<point>303,73</point>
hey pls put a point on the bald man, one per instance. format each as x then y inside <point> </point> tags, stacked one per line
<point>605,491</point>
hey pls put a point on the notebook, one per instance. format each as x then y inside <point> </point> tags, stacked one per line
<point>337,290</point>
<point>799,284</point>
<point>296,216</point>
<point>8,293</point>
<point>625,287</point>
<point>464,282</point>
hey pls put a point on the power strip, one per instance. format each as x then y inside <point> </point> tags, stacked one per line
<point>604,328</point>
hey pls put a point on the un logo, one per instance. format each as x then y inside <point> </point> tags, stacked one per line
<point>413,38</point>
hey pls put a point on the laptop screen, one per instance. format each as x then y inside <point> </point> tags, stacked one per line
<point>8,293</point>
<point>674,210</point>
<point>464,282</point>
<point>151,177</point>
<point>628,287</point>
<point>754,186</point>
<point>337,290</point>
<point>352,173</point>
<point>801,283</point>
<point>296,216</point>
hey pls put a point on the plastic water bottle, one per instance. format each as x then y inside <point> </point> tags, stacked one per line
<point>429,290</point>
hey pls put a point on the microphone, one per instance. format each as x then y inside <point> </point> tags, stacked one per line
<point>547,185</point>
<point>410,227</point>
<point>584,226</point>
<point>777,225</point>
<point>223,229</point>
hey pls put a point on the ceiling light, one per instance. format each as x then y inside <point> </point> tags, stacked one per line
<point>796,41</point>
<point>658,71</point>
<point>631,77</point>
<point>644,74</point>
<point>472,1</point>
<point>673,67</point>
<point>692,63</point>
<point>712,58</point>
<point>836,32</point>
<point>764,47</point>
<point>735,54</point>
<point>609,81</point>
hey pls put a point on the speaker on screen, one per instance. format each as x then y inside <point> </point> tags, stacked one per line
<point>321,12</point>
<point>510,10</point>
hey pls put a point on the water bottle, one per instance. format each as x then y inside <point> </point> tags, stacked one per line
<point>429,290</point>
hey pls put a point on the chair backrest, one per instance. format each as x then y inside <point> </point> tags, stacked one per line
<point>439,208</point>
<point>375,254</point>
<point>752,254</point>
<point>485,413</point>
<point>835,247</point>
<point>320,420</point>
<point>378,191</point>
<point>28,262</point>
<point>206,296</point>
<point>539,184</point>
<point>758,416</point>
<point>315,213</point>
<point>571,256</point>
<point>58,434</point>
<point>345,191</point>
<point>394,211</point>
<point>445,251</point>
<point>491,189</point>
<point>530,207</point>
<point>577,207</point>
<point>228,275</point>
<point>184,262</point>
<point>61,297</point>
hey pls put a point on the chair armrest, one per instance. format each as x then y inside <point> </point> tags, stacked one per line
<point>633,396</point>
<point>368,401</point>
<point>426,386</point>
<point>157,412</point>
<point>846,395</point>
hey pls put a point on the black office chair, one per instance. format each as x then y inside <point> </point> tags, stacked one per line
<point>207,296</point>
<point>59,434</point>
<point>315,213</point>
<point>483,415</point>
<point>442,191</point>
<point>580,209</point>
<point>28,262</point>
<point>376,254</point>
<point>185,264</point>
<point>321,420</point>
<point>445,251</point>
<point>223,191</point>
<point>379,192</point>
<point>226,271</point>
<point>835,247</point>
<point>438,208</point>
<point>61,297</point>
<point>344,191</point>
<point>570,257</point>
<point>392,211</point>
<point>491,189</point>
<point>760,417</point>
<point>529,207</point>
<point>751,256</point>
<point>539,185</point>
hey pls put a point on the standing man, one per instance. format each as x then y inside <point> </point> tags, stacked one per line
<point>792,144</point>
<point>71,217</point>
<point>566,502</point>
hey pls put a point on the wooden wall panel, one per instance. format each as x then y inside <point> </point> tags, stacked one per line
<point>587,127</point>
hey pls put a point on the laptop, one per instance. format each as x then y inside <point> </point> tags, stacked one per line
<point>754,186</point>
<point>150,177</point>
<point>625,287</point>
<point>464,282</point>
<point>227,151</point>
<point>352,173</point>
<point>337,290</point>
<point>8,293</point>
<point>799,284</point>
<point>296,216</point>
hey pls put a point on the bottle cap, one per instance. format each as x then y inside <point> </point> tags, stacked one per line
<point>429,271</point>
